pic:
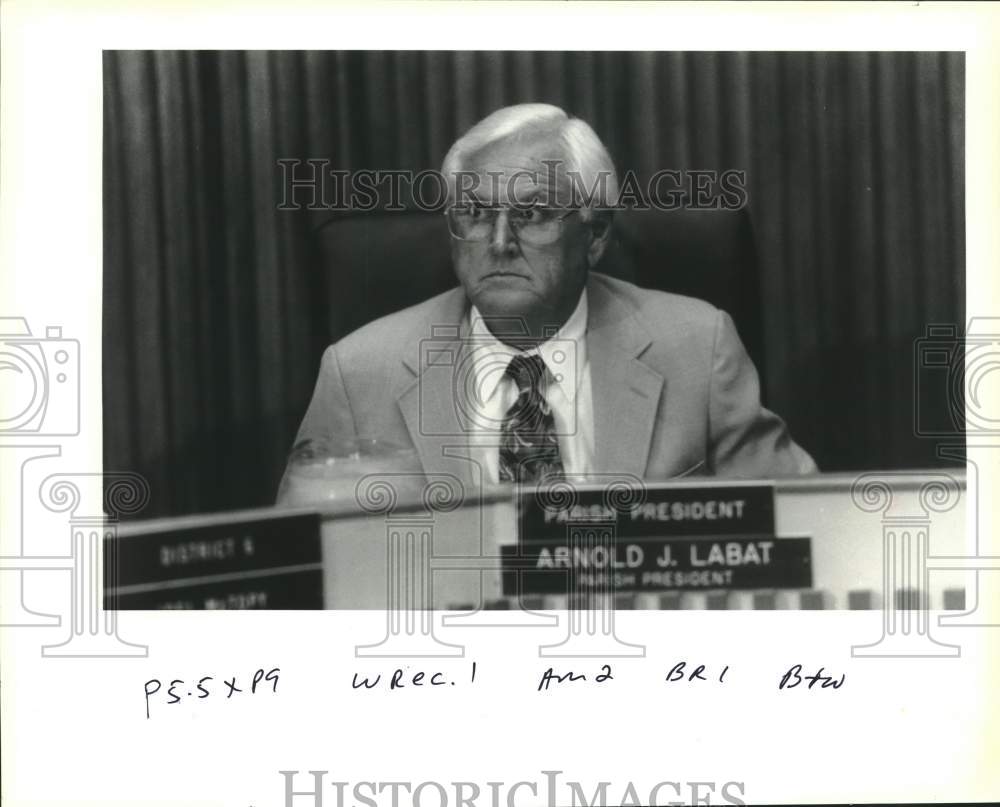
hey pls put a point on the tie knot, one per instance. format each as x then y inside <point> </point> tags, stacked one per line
<point>526,371</point>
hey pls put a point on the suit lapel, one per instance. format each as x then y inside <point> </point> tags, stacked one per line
<point>626,392</point>
<point>428,398</point>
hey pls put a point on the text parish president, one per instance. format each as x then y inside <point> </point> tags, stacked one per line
<point>536,366</point>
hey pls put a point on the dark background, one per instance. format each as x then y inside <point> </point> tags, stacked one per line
<point>216,313</point>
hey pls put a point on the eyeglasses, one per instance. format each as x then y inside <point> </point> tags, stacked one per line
<point>534,225</point>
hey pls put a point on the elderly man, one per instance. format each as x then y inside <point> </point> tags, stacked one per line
<point>536,366</point>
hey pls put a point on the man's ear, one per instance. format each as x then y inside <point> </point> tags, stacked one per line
<point>600,235</point>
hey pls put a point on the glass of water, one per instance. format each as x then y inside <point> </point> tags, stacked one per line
<point>327,471</point>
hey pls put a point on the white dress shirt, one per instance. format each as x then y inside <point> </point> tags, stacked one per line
<point>566,387</point>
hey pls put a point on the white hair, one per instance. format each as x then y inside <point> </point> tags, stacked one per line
<point>583,151</point>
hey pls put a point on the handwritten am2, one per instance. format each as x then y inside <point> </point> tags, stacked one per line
<point>179,689</point>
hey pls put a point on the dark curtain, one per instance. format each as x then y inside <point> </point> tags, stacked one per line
<point>215,316</point>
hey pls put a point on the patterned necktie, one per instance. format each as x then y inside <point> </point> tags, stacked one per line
<point>529,450</point>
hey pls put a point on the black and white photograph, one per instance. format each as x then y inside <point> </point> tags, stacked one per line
<point>476,274</point>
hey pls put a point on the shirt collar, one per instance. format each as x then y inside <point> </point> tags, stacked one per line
<point>564,354</point>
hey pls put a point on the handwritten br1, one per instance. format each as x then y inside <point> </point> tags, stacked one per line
<point>679,672</point>
<point>179,689</point>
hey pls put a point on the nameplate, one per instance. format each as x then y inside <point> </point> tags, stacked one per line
<point>672,564</point>
<point>280,590</point>
<point>739,510</point>
<point>244,564</point>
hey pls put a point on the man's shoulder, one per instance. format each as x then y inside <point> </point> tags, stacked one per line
<point>679,335</point>
<point>391,335</point>
<point>660,311</point>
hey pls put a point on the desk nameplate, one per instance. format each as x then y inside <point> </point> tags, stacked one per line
<point>654,512</point>
<point>669,564</point>
<point>255,563</point>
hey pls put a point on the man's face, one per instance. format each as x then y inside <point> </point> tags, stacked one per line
<point>504,277</point>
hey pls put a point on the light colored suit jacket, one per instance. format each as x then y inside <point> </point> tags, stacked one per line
<point>674,391</point>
